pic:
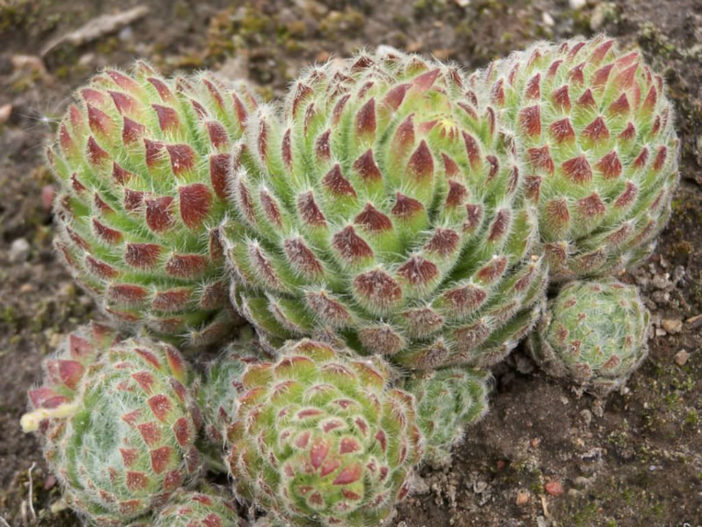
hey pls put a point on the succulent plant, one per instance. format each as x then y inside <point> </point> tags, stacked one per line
<point>595,133</point>
<point>142,162</point>
<point>117,424</point>
<point>593,334</point>
<point>385,211</point>
<point>321,438</point>
<point>221,387</point>
<point>448,400</point>
<point>196,509</point>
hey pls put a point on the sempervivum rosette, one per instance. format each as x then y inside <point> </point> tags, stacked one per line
<point>595,132</point>
<point>118,424</point>
<point>385,210</point>
<point>321,438</point>
<point>593,335</point>
<point>142,162</point>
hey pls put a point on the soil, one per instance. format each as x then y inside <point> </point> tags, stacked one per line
<point>542,456</point>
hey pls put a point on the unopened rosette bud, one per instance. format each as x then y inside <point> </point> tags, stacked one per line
<point>448,401</point>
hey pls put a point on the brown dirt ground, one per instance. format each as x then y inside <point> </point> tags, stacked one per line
<point>634,460</point>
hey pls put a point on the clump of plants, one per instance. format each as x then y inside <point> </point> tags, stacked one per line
<point>389,231</point>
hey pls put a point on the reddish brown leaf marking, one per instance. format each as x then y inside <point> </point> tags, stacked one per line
<point>587,99</point>
<point>160,458</point>
<point>270,208</point>
<point>444,242</point>
<point>153,152</point>
<point>494,166</point>
<point>373,220</point>
<point>421,163</point>
<point>382,439</point>
<point>591,206</point>
<point>576,74</point>
<point>160,406</point>
<point>656,126</point>
<point>323,146</point>
<point>642,158</point>
<point>500,225</point>
<point>126,293</point>
<point>561,98</point>
<point>186,265</point>
<point>218,134</point>
<point>129,456</point>
<point>457,194</point>
<point>659,161</point>
<point>91,96</point>
<point>76,184</point>
<point>335,182</point>
<point>163,91</point>
<point>182,431</point>
<point>105,233</point>
<point>557,212</point>
<point>96,155</point>
<point>263,140</point>
<point>142,255</point>
<point>498,92</point>
<point>533,87</point>
<point>158,213</point>
<point>120,175</point>
<point>418,271</point>
<point>365,119</point>
<point>620,106</point>
<point>540,159</point>
<point>167,118</point>
<point>172,300</point>
<point>596,131</point>
<point>132,131</point>
<point>302,258</point>
<point>472,149</point>
<point>651,99</point>
<point>101,205</point>
<point>144,379</point>
<point>302,92</point>
<point>123,81</point>
<point>182,158</point>
<point>626,78</point>
<point>493,270</point>
<point>150,433</point>
<point>450,166</point>
<point>465,299</point>
<point>137,481</point>
<point>532,187</point>
<point>195,201</point>
<point>286,149</point>
<point>599,78</point>
<point>628,133</point>
<point>474,214</point>
<point>69,372</point>
<point>348,475</point>
<point>99,122</point>
<point>404,135</point>
<point>219,169</point>
<point>396,95</point>
<point>309,211</point>
<point>100,268</point>
<point>577,169</point>
<point>627,197</point>
<point>610,166</point>
<point>339,108</point>
<point>405,207</point>
<point>562,131</point>
<point>327,309</point>
<point>350,246</point>
<point>426,80</point>
<point>318,453</point>
<point>123,102</point>
<point>367,168</point>
<point>378,287</point>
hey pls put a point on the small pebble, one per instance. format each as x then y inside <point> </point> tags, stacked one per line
<point>5,112</point>
<point>547,19</point>
<point>522,497</point>
<point>554,488</point>
<point>19,251</point>
<point>672,325</point>
<point>48,192</point>
<point>577,4</point>
<point>681,357</point>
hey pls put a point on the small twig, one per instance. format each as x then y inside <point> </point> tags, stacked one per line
<point>4,523</point>
<point>31,490</point>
